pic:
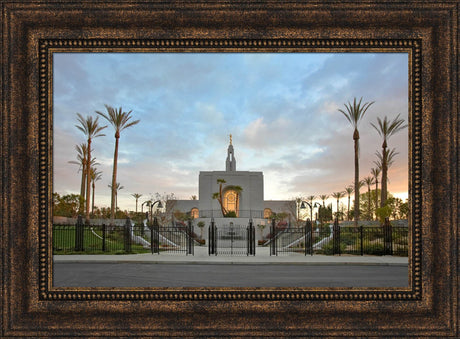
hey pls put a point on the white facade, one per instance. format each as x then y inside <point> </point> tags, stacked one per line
<point>250,200</point>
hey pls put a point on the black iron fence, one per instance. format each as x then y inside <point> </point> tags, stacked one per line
<point>334,239</point>
<point>232,239</point>
<point>129,238</point>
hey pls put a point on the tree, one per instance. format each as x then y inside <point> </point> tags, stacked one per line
<point>369,181</point>
<point>386,128</point>
<point>354,113</point>
<point>119,120</point>
<point>92,130</point>
<point>298,201</point>
<point>67,205</point>
<point>338,196</point>
<point>81,162</point>
<point>95,176</point>
<point>349,190</point>
<point>388,159</point>
<point>218,196</point>
<point>118,187</point>
<point>322,210</point>
<point>238,190</point>
<point>376,172</point>
<point>136,196</point>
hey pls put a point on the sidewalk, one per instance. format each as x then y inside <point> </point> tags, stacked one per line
<point>262,257</point>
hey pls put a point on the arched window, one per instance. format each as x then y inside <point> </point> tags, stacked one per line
<point>230,201</point>
<point>194,213</point>
<point>267,213</point>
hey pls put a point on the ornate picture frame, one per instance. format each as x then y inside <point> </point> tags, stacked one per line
<point>33,31</point>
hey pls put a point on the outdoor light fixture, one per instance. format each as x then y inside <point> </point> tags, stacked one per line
<point>153,204</point>
<point>302,206</point>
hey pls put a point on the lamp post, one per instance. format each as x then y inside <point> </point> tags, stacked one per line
<point>151,207</point>
<point>302,206</point>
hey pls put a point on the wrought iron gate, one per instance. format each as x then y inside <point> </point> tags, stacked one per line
<point>171,238</point>
<point>232,239</point>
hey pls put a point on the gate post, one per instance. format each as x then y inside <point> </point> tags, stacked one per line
<point>361,231</point>
<point>308,237</point>
<point>155,237</point>
<point>336,237</point>
<point>212,238</point>
<point>103,237</point>
<point>127,237</point>
<point>190,238</point>
<point>79,231</point>
<point>387,238</point>
<point>250,244</point>
<point>273,240</point>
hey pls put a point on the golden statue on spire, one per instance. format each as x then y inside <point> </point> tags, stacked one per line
<point>230,139</point>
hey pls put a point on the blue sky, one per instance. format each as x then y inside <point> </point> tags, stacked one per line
<point>281,108</point>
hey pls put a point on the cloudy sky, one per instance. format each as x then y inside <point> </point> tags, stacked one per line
<point>281,108</point>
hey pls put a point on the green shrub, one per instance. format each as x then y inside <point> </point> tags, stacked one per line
<point>373,249</point>
<point>328,249</point>
<point>231,214</point>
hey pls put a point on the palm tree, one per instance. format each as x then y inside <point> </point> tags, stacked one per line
<point>375,173</point>
<point>95,176</point>
<point>386,128</point>
<point>136,196</point>
<point>338,196</point>
<point>354,114</point>
<point>117,188</point>
<point>120,121</point>
<point>238,190</point>
<point>323,197</point>
<point>92,130</point>
<point>218,196</point>
<point>369,180</point>
<point>389,159</point>
<point>81,162</point>
<point>349,190</point>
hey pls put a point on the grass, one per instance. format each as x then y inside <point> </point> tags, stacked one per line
<point>64,242</point>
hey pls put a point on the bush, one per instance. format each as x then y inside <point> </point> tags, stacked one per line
<point>231,214</point>
<point>373,249</point>
<point>328,249</point>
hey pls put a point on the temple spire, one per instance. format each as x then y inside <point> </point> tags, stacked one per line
<point>230,163</point>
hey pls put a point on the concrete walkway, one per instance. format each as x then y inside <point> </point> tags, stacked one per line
<point>262,257</point>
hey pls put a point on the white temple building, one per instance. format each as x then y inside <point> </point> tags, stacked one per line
<point>242,196</point>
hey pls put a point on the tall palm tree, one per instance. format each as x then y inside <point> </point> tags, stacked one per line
<point>323,197</point>
<point>349,190</point>
<point>136,196</point>
<point>375,173</point>
<point>119,120</point>
<point>338,196</point>
<point>95,176</point>
<point>386,128</point>
<point>81,162</point>
<point>369,180</point>
<point>354,113</point>
<point>117,188</point>
<point>92,130</point>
